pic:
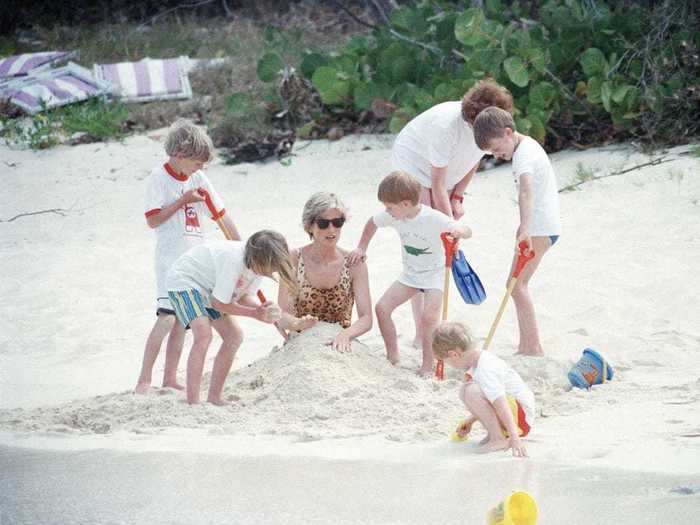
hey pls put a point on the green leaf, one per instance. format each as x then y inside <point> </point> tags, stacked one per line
<point>357,45</point>
<point>333,90</point>
<point>311,62</point>
<point>523,125</point>
<point>542,94</point>
<point>238,104</point>
<point>620,92</point>
<point>606,94</point>
<point>399,119</point>
<point>516,71</point>
<point>493,7</point>
<point>468,27</point>
<point>537,129</point>
<point>593,62</point>
<point>593,90</point>
<point>365,93</point>
<point>489,59</point>
<point>269,67</point>
<point>537,58</point>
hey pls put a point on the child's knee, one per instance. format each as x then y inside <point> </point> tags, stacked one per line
<point>234,338</point>
<point>202,335</point>
<point>470,392</point>
<point>429,319</point>
<point>382,309</point>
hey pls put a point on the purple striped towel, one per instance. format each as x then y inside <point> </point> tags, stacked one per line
<point>52,88</point>
<point>20,65</point>
<point>147,79</point>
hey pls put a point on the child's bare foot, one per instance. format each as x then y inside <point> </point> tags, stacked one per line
<point>142,388</point>
<point>493,446</point>
<point>173,384</point>
<point>393,357</point>
<point>530,353</point>
<point>425,372</point>
<point>218,402</point>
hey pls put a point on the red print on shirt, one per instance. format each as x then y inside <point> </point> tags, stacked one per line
<point>191,220</point>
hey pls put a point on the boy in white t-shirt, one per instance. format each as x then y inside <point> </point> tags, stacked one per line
<point>222,277</point>
<point>538,200</point>
<point>419,228</point>
<point>173,209</point>
<point>494,393</point>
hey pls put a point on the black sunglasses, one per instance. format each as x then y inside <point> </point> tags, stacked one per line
<point>324,223</point>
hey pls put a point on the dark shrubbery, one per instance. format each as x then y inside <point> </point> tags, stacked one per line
<point>581,72</point>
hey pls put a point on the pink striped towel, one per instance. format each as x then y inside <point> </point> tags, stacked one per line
<point>51,88</point>
<point>20,65</point>
<point>147,79</point>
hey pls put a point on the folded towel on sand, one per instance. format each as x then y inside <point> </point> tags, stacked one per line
<point>148,79</point>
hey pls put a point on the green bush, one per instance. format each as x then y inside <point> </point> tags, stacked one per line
<point>580,71</point>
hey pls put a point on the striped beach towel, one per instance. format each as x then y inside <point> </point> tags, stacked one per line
<point>22,65</point>
<point>51,88</point>
<point>147,79</point>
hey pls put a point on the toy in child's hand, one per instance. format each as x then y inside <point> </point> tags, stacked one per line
<point>461,433</point>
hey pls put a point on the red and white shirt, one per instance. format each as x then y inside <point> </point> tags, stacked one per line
<point>183,229</point>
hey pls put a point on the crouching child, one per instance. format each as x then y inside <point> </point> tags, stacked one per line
<point>494,393</point>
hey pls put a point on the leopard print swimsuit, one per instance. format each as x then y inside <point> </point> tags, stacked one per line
<point>333,305</point>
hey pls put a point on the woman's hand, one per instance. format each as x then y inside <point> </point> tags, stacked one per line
<point>356,256</point>
<point>341,342</point>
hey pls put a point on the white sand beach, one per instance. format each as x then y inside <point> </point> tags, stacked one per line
<point>314,436</point>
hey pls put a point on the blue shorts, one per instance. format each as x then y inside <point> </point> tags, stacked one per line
<point>553,239</point>
<point>188,305</point>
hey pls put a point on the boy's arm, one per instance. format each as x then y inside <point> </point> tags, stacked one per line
<point>440,197</point>
<point>359,254</point>
<point>461,231</point>
<point>231,227</point>
<point>165,213</point>
<point>247,307</point>
<point>505,416</point>
<point>525,203</point>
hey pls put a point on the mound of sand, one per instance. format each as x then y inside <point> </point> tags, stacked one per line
<point>303,389</point>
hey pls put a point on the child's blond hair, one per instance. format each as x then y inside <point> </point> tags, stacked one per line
<point>399,186</point>
<point>482,95</point>
<point>450,336</point>
<point>189,142</point>
<point>490,124</point>
<point>266,251</point>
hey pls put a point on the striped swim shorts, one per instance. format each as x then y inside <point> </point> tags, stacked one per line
<point>188,305</point>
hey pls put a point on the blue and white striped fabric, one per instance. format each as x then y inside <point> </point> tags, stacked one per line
<point>188,305</point>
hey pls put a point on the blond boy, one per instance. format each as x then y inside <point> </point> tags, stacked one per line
<point>538,200</point>
<point>419,228</point>
<point>173,209</point>
<point>495,394</point>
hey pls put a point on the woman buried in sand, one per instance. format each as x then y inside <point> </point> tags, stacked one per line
<point>327,286</point>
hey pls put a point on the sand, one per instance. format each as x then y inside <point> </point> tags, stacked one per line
<point>77,283</point>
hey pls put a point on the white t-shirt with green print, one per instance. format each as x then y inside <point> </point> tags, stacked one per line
<point>421,247</point>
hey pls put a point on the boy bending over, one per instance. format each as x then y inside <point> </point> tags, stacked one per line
<point>538,200</point>
<point>494,393</point>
